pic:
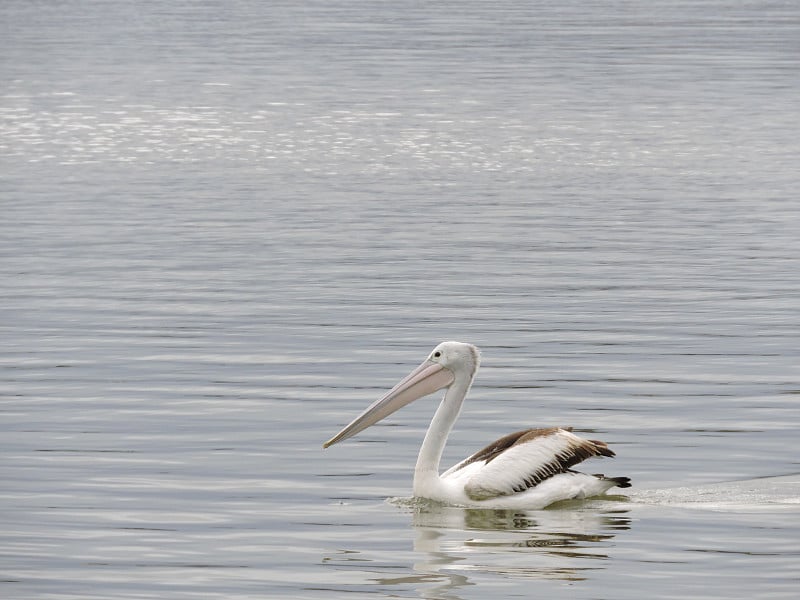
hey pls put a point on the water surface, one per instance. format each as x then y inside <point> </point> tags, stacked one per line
<point>229,228</point>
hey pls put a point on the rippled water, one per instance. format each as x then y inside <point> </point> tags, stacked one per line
<point>228,227</point>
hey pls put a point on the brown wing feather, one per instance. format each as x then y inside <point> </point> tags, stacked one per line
<point>497,447</point>
<point>577,450</point>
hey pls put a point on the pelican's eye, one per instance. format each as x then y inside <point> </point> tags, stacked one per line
<point>437,354</point>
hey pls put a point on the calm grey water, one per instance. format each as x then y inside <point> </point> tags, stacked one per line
<point>227,227</point>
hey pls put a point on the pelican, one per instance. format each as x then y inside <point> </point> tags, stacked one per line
<point>528,469</point>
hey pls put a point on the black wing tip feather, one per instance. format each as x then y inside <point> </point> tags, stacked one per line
<point>620,481</point>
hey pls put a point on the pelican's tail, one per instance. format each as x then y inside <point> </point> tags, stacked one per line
<point>620,482</point>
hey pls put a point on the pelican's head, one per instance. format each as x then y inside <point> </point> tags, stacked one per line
<point>458,357</point>
<point>446,363</point>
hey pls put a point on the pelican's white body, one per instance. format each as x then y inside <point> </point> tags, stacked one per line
<point>565,486</point>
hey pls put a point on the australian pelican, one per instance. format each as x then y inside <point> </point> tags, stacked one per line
<point>528,469</point>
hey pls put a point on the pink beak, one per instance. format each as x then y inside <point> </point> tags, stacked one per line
<point>424,380</point>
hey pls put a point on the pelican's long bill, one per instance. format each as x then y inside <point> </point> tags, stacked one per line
<point>424,380</point>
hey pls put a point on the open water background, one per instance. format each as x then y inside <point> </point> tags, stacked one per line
<point>227,227</point>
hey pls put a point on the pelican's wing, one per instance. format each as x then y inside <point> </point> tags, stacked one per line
<point>522,460</point>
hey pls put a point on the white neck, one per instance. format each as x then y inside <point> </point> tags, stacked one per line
<point>426,473</point>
